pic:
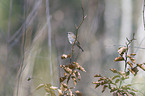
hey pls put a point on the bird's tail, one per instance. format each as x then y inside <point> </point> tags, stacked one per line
<point>80,47</point>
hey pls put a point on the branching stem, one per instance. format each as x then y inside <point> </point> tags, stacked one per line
<point>77,28</point>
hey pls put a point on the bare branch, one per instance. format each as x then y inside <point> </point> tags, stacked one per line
<point>77,28</point>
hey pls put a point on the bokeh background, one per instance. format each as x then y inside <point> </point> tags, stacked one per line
<point>33,36</point>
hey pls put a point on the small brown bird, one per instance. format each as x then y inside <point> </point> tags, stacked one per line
<point>71,39</point>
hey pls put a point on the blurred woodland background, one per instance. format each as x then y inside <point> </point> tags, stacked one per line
<point>33,36</point>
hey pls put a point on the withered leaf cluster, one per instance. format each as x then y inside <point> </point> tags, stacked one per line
<point>121,51</point>
<point>130,61</point>
<point>71,71</point>
<point>63,91</point>
<point>114,83</point>
<point>67,91</point>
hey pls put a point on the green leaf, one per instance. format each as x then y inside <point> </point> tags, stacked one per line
<point>102,78</point>
<point>104,87</point>
<point>128,85</point>
<point>114,77</point>
<point>47,90</point>
<point>117,80</point>
<point>48,85</point>
<point>46,94</point>
<point>127,73</point>
<point>125,87</point>
<point>133,90</point>
<point>124,77</point>
<point>109,86</point>
<point>52,93</point>
<point>113,89</point>
<point>40,86</point>
<point>114,70</point>
<point>68,78</point>
<point>132,93</point>
<point>97,85</point>
<point>97,75</point>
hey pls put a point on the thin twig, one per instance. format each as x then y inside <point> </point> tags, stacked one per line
<point>77,28</point>
<point>127,45</point>
<point>126,53</point>
<point>126,58</point>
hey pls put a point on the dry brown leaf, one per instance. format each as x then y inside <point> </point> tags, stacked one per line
<point>104,82</point>
<point>61,66</point>
<point>135,70</point>
<point>62,79</point>
<point>116,94</point>
<point>119,59</point>
<point>71,66</point>
<point>141,66</point>
<point>102,78</point>
<point>130,64</point>
<point>97,75</point>
<point>78,75</point>
<point>63,87</point>
<point>78,93</point>
<point>131,71</point>
<point>70,92</point>
<point>74,79</point>
<point>67,70</point>
<point>122,50</point>
<point>114,70</point>
<point>133,54</point>
<point>79,67</point>
<point>131,58</point>
<point>64,56</point>
<point>76,64</point>
<point>82,69</point>
<point>96,82</point>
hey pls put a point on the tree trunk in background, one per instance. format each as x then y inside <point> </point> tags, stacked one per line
<point>138,29</point>
<point>35,63</point>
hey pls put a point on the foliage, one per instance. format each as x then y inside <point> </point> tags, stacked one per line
<point>114,83</point>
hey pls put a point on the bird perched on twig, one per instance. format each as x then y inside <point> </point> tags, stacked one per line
<point>71,39</point>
